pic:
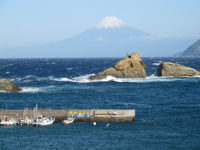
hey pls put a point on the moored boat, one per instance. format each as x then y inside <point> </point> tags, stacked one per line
<point>69,120</point>
<point>25,121</point>
<point>43,121</point>
<point>8,122</point>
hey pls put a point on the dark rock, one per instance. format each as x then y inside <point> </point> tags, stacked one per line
<point>8,86</point>
<point>130,67</point>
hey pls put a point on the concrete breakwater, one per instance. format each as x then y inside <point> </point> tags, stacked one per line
<point>81,115</point>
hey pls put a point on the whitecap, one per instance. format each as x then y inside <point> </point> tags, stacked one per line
<point>30,89</point>
<point>85,79</point>
<point>82,78</point>
<point>60,79</point>
<point>151,78</point>
<point>197,76</point>
<point>157,63</point>
<point>69,68</point>
<point>2,91</point>
<point>38,89</point>
<point>29,76</point>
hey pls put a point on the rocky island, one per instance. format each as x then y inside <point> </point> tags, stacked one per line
<point>8,86</point>
<point>130,67</point>
<point>176,70</point>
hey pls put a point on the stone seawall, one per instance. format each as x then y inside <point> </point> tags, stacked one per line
<point>82,115</point>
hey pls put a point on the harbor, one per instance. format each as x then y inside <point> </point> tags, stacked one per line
<point>79,115</point>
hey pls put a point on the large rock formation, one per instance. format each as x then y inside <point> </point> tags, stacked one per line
<point>130,67</point>
<point>8,86</point>
<point>176,70</point>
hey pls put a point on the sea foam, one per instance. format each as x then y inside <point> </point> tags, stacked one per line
<point>30,89</point>
<point>85,79</point>
<point>157,63</point>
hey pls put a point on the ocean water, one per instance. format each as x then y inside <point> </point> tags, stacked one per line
<point>167,108</point>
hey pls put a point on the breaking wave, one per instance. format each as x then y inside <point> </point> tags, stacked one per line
<point>85,79</point>
<point>2,91</point>
<point>152,78</point>
<point>38,89</point>
<point>81,79</point>
<point>157,63</point>
<point>30,89</point>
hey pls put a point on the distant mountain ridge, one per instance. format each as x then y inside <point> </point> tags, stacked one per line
<point>192,51</point>
<point>110,38</point>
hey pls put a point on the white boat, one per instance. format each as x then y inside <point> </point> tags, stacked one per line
<point>8,122</point>
<point>69,120</point>
<point>42,121</point>
<point>25,121</point>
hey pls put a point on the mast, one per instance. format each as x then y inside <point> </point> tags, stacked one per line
<point>24,114</point>
<point>34,112</point>
<point>36,109</point>
<point>6,109</point>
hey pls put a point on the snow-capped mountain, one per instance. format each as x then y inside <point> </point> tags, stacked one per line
<point>112,37</point>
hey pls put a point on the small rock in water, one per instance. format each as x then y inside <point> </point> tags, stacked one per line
<point>9,86</point>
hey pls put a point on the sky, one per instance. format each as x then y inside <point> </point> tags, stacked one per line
<point>35,22</point>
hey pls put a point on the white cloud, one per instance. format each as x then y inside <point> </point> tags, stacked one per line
<point>99,38</point>
<point>111,22</point>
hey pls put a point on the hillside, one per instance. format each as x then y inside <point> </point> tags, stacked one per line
<point>193,50</point>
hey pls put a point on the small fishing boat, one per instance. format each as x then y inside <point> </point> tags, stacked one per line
<point>69,120</point>
<point>8,122</point>
<point>25,121</point>
<point>43,121</point>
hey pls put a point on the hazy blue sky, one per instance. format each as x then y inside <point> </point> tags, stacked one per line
<point>31,22</point>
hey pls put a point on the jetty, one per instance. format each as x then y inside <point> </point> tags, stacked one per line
<point>81,115</point>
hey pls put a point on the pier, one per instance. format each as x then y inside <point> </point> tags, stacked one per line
<point>81,115</point>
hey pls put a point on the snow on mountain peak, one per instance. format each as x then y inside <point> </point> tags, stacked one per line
<point>110,22</point>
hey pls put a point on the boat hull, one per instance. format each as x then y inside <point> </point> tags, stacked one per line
<point>68,122</point>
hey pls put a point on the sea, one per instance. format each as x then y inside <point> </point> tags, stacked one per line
<point>167,108</point>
